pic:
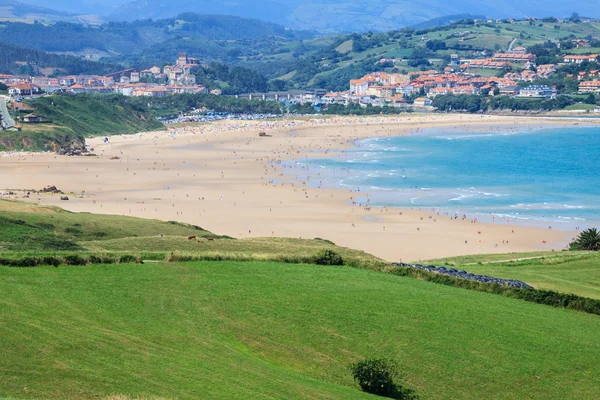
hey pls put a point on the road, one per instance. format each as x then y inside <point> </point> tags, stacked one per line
<point>511,45</point>
<point>7,121</point>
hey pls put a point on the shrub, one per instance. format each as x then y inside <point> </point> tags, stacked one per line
<point>588,239</point>
<point>74,259</point>
<point>129,259</point>
<point>377,376</point>
<point>28,262</point>
<point>94,259</point>
<point>53,261</point>
<point>328,257</point>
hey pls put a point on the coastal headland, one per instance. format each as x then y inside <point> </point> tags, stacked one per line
<point>228,178</point>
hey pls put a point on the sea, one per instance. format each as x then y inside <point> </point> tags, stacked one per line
<point>524,176</point>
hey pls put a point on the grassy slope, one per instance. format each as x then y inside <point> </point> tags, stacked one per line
<point>483,37</point>
<point>250,330</point>
<point>73,118</point>
<point>567,272</point>
<point>93,116</point>
<point>27,228</point>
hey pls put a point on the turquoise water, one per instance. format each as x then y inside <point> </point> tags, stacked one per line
<point>535,176</point>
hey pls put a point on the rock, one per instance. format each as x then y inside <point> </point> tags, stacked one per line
<point>64,197</point>
<point>462,274</point>
<point>51,189</point>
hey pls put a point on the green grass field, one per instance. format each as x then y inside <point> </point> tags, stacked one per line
<point>567,272</point>
<point>268,330</point>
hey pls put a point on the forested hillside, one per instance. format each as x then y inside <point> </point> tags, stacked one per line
<point>11,54</point>
<point>129,37</point>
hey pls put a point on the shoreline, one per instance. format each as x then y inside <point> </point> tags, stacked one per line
<point>381,194</point>
<point>227,180</point>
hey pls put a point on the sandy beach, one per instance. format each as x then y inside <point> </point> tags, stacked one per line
<point>225,178</point>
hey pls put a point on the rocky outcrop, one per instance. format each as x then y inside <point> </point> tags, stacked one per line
<point>466,275</point>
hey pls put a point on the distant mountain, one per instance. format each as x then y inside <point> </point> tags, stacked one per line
<point>99,7</point>
<point>128,37</point>
<point>17,59</point>
<point>16,11</point>
<point>448,19</point>
<point>351,15</point>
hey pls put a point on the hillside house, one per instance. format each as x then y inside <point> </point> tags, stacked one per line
<point>514,57</point>
<point>538,91</point>
<point>578,59</point>
<point>77,88</point>
<point>519,50</point>
<point>510,90</point>
<point>34,119</point>
<point>423,102</point>
<point>358,86</point>
<point>399,101</point>
<point>589,87</point>
<point>23,89</point>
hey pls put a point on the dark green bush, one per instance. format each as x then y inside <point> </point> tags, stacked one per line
<point>379,377</point>
<point>129,259</point>
<point>74,259</point>
<point>95,259</point>
<point>328,257</point>
<point>53,261</point>
<point>28,262</point>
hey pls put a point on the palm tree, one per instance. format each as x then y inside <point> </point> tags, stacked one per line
<point>589,239</point>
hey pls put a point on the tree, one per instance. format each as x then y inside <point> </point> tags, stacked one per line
<point>591,99</point>
<point>566,45</point>
<point>277,85</point>
<point>574,18</point>
<point>434,45</point>
<point>589,239</point>
<point>378,376</point>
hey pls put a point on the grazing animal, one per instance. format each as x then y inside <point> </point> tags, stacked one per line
<point>210,239</point>
<point>191,237</point>
<point>200,241</point>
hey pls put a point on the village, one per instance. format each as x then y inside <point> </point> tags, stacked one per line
<point>463,77</point>
<point>415,89</point>
<point>153,82</point>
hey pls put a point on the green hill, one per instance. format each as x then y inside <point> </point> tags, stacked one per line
<point>30,229</point>
<point>129,37</point>
<point>93,115</point>
<point>61,64</point>
<point>73,118</point>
